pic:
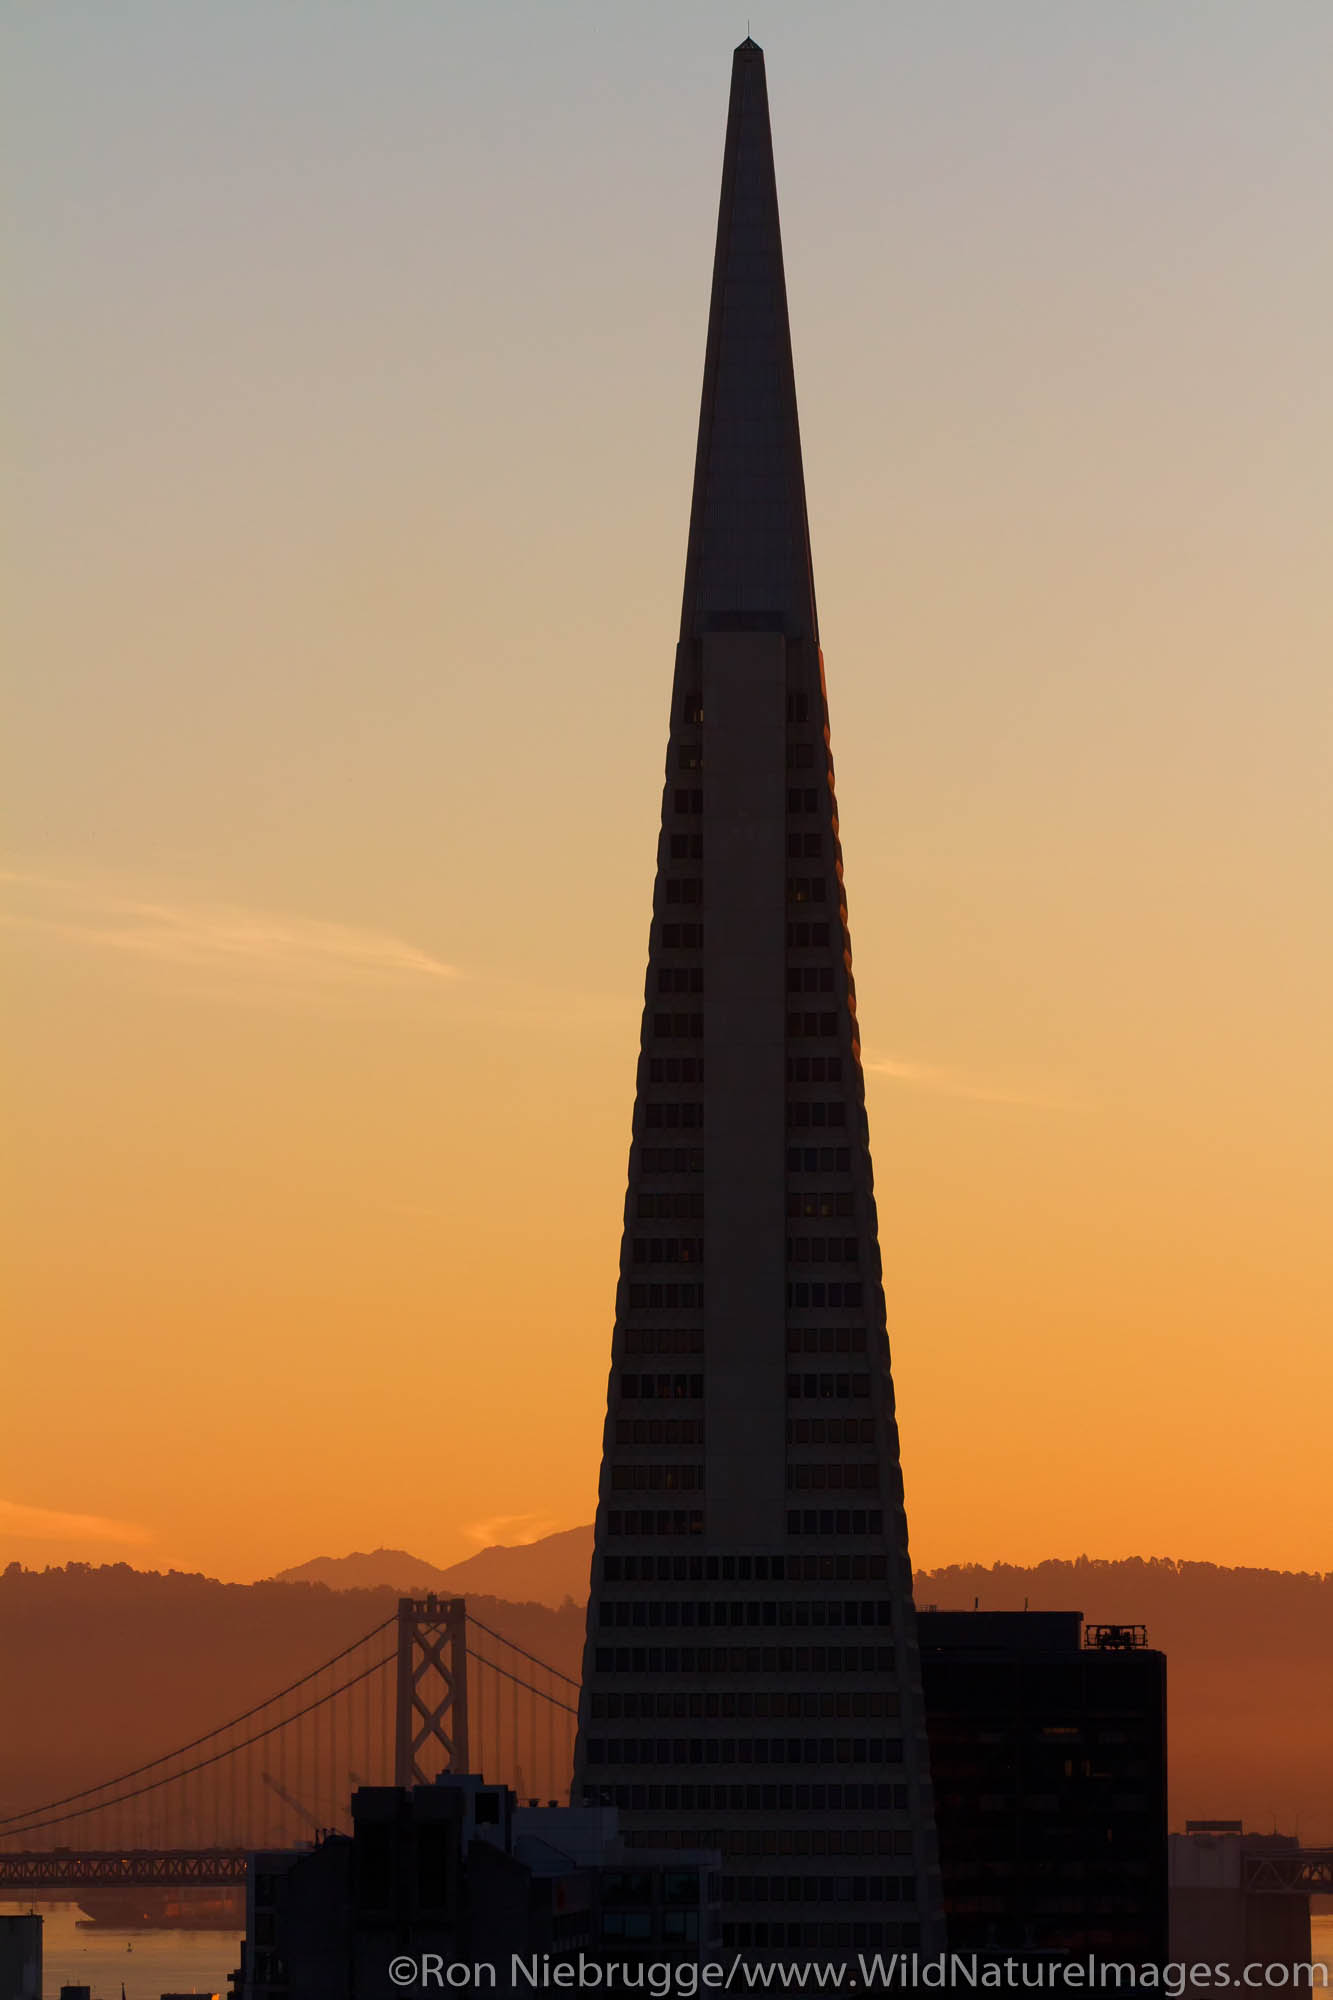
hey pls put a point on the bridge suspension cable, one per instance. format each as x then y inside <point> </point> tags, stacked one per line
<point>514,1648</point>
<point>204,1763</point>
<point>325,1739</point>
<point>209,1735</point>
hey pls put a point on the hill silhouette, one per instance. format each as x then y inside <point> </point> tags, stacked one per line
<point>543,1572</point>
<point>376,1569</point>
<point>105,1667</point>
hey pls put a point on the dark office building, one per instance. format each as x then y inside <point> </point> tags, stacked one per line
<point>750,1678</point>
<point>21,1957</point>
<point>1048,1745</point>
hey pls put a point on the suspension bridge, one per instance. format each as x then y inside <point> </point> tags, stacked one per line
<point>429,1689</point>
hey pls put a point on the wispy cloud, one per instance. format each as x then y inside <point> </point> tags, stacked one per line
<point>45,1524</point>
<point>980,1090</point>
<point>217,937</point>
<point>514,1530</point>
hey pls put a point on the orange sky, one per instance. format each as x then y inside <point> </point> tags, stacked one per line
<point>360,365</point>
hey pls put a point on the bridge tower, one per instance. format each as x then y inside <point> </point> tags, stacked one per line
<point>431,1731</point>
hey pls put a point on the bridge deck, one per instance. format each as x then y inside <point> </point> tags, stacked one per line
<point>200,1868</point>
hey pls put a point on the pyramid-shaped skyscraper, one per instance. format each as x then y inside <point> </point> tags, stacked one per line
<point>751,1679</point>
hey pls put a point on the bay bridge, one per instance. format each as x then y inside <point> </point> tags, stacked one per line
<point>429,1689</point>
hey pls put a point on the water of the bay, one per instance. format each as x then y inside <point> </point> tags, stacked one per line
<point>146,1963</point>
<point>149,1963</point>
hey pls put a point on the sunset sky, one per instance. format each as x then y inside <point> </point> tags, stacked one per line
<point>356,356</point>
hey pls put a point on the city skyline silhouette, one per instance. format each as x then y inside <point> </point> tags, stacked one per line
<point>356,358</point>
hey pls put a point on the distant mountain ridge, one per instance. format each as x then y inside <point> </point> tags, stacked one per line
<point>549,1571</point>
<point>375,1569</point>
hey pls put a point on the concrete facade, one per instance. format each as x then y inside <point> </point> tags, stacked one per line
<point>751,1680</point>
<point>1218,1916</point>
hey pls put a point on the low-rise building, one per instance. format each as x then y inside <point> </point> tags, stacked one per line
<point>1238,1898</point>
<point>459,1871</point>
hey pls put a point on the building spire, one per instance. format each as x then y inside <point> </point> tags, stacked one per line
<point>748,561</point>
<point>750,1467</point>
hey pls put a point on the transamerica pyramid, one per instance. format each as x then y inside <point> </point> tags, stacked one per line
<point>750,1675</point>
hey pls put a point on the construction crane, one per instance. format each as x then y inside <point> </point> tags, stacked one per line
<point>302,1811</point>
